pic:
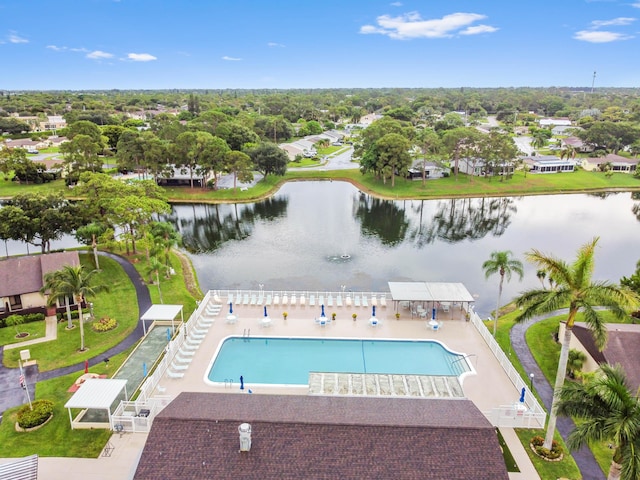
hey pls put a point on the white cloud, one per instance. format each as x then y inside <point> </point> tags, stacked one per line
<point>636,5</point>
<point>141,57</point>
<point>396,4</point>
<point>274,44</point>
<point>56,48</point>
<point>475,30</point>
<point>99,55</point>
<point>15,38</point>
<point>231,59</point>
<point>615,21</point>
<point>600,36</point>
<point>411,25</point>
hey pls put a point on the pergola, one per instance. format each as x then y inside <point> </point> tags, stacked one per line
<point>434,292</point>
<point>96,394</point>
<point>162,313</point>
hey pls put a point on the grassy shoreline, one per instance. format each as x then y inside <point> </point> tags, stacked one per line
<point>520,184</point>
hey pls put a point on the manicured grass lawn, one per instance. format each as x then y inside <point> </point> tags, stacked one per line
<point>565,468</point>
<point>56,439</point>
<point>34,329</point>
<point>10,189</point>
<point>119,302</point>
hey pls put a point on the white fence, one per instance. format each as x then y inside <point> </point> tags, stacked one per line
<point>528,414</point>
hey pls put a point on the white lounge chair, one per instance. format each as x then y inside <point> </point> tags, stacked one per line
<point>178,367</point>
<point>374,300</point>
<point>321,299</point>
<point>196,336</point>
<point>303,300</point>
<point>383,301</point>
<point>364,301</point>
<point>245,301</point>
<point>260,300</point>
<point>254,299</point>
<point>182,360</point>
<point>172,374</point>
<point>205,322</point>
<point>285,299</point>
<point>293,299</point>
<point>339,300</point>
<point>185,352</point>
<point>348,301</point>
<point>268,302</point>
<point>312,300</point>
<point>276,299</point>
<point>356,300</point>
<point>188,347</point>
<point>192,343</point>
<point>230,298</point>
<point>330,301</point>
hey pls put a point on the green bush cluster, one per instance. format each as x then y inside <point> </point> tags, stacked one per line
<point>105,324</point>
<point>42,410</point>
<point>27,318</point>
<point>74,314</point>
<point>553,454</point>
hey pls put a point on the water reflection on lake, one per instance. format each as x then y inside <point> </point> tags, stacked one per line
<point>321,235</point>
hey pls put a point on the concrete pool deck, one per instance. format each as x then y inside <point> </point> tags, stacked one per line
<point>489,388</point>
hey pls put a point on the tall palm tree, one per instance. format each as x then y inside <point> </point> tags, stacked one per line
<point>502,263</point>
<point>573,287</point>
<point>76,281</point>
<point>155,268</point>
<point>608,411</point>
<point>541,274</point>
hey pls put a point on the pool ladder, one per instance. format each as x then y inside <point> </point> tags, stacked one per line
<point>463,358</point>
<point>228,383</point>
<point>246,333</point>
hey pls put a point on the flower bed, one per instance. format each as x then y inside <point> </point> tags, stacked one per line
<point>30,419</point>
<point>553,455</point>
<point>105,324</point>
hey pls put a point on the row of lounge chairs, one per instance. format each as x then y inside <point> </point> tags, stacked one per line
<point>312,300</point>
<point>195,336</point>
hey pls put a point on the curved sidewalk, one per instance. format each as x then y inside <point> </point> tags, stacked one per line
<point>584,458</point>
<point>12,395</point>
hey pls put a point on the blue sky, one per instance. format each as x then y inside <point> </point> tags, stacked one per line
<point>152,44</point>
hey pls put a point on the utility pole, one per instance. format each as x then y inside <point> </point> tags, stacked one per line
<point>593,82</point>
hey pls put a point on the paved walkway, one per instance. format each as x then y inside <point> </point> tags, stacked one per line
<point>584,458</point>
<point>12,395</point>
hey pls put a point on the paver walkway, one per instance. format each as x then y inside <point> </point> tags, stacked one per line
<point>12,395</point>
<point>584,458</point>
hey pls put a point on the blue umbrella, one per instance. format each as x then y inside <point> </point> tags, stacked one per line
<point>522,395</point>
<point>433,314</point>
<point>168,334</point>
<point>373,314</point>
<point>265,311</point>
<point>241,383</point>
<point>322,315</point>
<point>230,307</point>
<point>144,369</point>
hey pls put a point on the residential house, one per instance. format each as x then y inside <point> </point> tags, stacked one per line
<point>577,144</point>
<point>432,170</point>
<point>478,167</point>
<point>622,341</point>
<point>549,164</point>
<point>21,279</point>
<point>253,436</point>
<point>53,122</point>
<point>561,130</point>
<point>617,163</point>
<point>178,176</point>
<point>553,122</point>
<point>25,143</point>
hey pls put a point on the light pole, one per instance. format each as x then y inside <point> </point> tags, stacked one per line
<point>531,375</point>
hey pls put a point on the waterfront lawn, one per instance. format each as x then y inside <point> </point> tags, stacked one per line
<point>119,302</point>
<point>11,189</point>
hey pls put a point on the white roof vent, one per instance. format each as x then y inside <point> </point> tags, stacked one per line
<point>245,437</point>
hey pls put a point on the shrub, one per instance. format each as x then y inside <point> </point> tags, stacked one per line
<point>28,318</point>
<point>105,324</point>
<point>74,314</point>
<point>42,411</point>
<point>556,450</point>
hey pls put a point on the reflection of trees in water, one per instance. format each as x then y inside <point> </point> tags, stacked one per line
<point>463,218</point>
<point>636,206</point>
<point>212,225</point>
<point>381,218</point>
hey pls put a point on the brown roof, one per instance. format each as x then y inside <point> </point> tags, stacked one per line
<point>20,275</point>
<point>319,437</point>
<point>623,341</point>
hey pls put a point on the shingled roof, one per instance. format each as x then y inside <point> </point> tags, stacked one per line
<point>25,274</point>
<point>623,341</point>
<point>316,437</point>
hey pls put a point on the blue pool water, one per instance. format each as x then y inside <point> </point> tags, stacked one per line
<point>288,361</point>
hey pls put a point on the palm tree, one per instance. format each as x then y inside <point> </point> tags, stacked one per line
<point>609,411</point>
<point>574,287</point>
<point>49,287</point>
<point>155,268</point>
<point>575,362</point>
<point>500,262</point>
<point>76,281</point>
<point>541,274</point>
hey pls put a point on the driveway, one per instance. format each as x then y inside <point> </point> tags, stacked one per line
<point>524,144</point>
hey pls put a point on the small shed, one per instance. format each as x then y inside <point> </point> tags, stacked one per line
<point>97,399</point>
<point>167,313</point>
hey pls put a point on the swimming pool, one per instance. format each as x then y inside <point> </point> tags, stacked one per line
<point>288,361</point>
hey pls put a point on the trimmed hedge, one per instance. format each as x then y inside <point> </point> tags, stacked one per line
<point>28,318</point>
<point>74,314</point>
<point>42,411</point>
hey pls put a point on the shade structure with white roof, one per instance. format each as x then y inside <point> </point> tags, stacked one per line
<point>434,292</point>
<point>162,313</point>
<point>96,394</point>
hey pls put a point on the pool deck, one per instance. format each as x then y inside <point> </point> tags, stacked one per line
<point>488,388</point>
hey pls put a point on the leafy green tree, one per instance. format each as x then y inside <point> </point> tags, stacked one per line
<point>134,213</point>
<point>81,154</point>
<point>429,142</point>
<point>575,362</point>
<point>236,135</point>
<point>190,149</point>
<point>131,150</point>
<point>607,410</point>
<point>460,143</point>
<point>84,127</point>
<point>14,321</point>
<point>9,157</point>
<point>501,262</point>
<point>311,127</point>
<point>240,165</point>
<point>38,219</point>
<point>393,156</point>
<point>269,159</point>
<point>155,268</point>
<point>367,148</point>
<point>213,159</point>
<point>165,235</point>
<point>573,287</point>
<point>88,235</point>
<point>73,281</point>
<point>113,133</point>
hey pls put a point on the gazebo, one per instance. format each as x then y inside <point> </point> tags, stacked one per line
<point>95,397</point>
<point>162,313</point>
